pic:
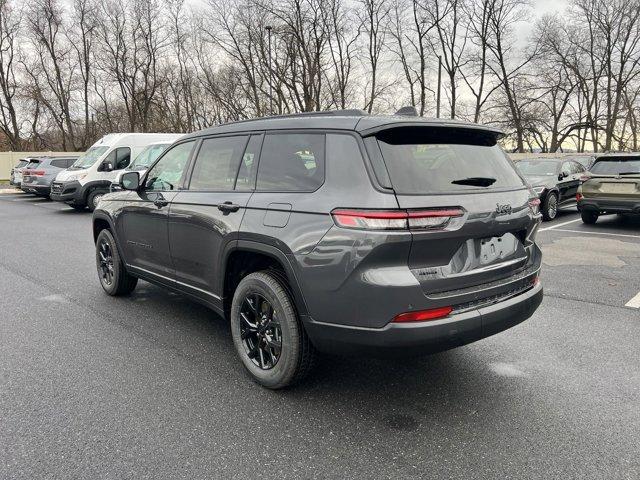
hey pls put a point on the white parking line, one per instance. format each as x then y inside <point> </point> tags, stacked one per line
<point>587,232</point>
<point>634,302</point>
<point>560,225</point>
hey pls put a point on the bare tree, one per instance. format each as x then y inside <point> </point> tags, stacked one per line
<point>10,20</point>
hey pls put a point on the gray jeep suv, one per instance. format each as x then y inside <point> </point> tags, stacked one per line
<point>338,231</point>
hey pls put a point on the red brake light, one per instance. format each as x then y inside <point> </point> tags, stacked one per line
<point>578,197</point>
<point>395,219</point>
<point>38,173</point>
<point>423,315</point>
<point>534,205</point>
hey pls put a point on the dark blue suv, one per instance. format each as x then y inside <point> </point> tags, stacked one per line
<point>338,231</point>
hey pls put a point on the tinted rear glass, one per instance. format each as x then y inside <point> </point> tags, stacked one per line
<point>21,163</point>
<point>616,166</point>
<point>33,164</point>
<point>436,160</point>
<point>61,163</point>
<point>291,162</point>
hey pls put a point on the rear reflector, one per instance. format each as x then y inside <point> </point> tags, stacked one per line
<point>38,173</point>
<point>395,219</point>
<point>578,197</point>
<point>423,315</point>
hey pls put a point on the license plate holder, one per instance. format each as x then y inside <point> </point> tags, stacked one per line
<point>496,248</point>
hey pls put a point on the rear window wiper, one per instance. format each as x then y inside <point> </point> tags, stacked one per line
<point>476,181</point>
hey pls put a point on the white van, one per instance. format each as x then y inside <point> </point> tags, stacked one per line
<point>144,159</point>
<point>90,177</point>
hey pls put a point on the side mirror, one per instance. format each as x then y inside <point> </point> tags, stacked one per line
<point>130,181</point>
<point>563,175</point>
<point>106,166</point>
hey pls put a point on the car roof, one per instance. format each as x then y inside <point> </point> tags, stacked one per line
<point>348,120</point>
<point>546,159</point>
<point>628,155</point>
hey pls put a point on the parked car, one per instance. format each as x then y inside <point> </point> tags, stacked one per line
<point>555,180</point>
<point>145,158</point>
<point>40,173</point>
<point>613,187</point>
<point>342,232</point>
<point>15,177</point>
<point>90,177</point>
<point>586,159</point>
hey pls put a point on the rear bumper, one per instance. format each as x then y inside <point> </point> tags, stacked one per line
<point>67,192</point>
<point>35,188</point>
<point>610,205</point>
<point>397,339</point>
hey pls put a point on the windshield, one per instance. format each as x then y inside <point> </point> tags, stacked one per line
<point>148,156</point>
<point>584,161</point>
<point>89,157</point>
<point>537,167</point>
<point>616,166</point>
<point>426,160</point>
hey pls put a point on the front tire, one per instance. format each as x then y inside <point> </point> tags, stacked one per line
<point>589,216</point>
<point>267,333</point>
<point>550,206</point>
<point>114,278</point>
<point>94,197</point>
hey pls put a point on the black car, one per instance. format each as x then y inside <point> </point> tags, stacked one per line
<point>555,180</point>
<point>340,232</point>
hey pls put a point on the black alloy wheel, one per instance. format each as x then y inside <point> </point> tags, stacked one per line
<point>113,275</point>
<point>267,332</point>
<point>105,262</point>
<point>260,331</point>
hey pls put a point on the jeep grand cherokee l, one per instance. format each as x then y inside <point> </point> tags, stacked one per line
<point>340,232</point>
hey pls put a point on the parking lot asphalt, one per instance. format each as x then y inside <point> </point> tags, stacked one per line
<point>149,386</point>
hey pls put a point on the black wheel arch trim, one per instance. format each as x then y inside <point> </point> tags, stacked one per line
<point>83,193</point>
<point>275,253</point>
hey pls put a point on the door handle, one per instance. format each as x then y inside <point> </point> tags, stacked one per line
<point>160,202</point>
<point>228,207</point>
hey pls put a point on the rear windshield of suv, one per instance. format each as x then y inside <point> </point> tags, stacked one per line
<point>33,164</point>
<point>617,166</point>
<point>21,163</point>
<point>436,160</point>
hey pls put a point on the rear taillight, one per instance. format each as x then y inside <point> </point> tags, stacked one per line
<point>423,315</point>
<point>534,205</point>
<point>431,218</point>
<point>584,178</point>
<point>578,197</point>
<point>37,173</point>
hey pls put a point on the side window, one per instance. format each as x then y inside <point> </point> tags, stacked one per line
<point>217,163</point>
<point>249,164</point>
<point>292,162</point>
<point>167,172</point>
<point>576,168</point>
<point>59,163</point>
<point>566,167</point>
<point>123,157</point>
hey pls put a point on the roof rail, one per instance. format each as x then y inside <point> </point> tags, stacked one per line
<point>354,112</point>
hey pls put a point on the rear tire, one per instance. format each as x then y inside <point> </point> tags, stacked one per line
<point>262,317</point>
<point>113,276</point>
<point>589,216</point>
<point>94,197</point>
<point>550,206</point>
